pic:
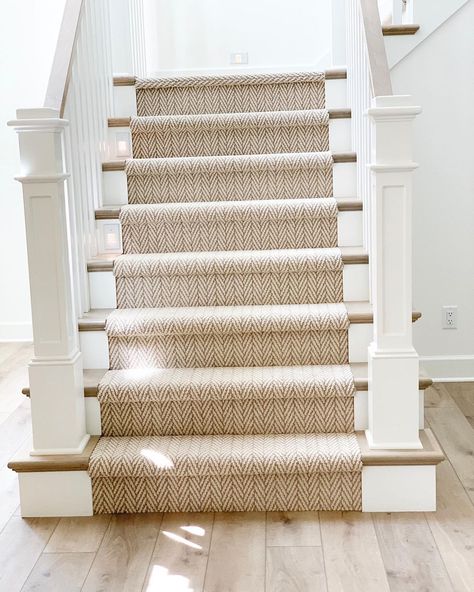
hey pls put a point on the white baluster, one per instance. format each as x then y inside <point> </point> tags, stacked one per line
<point>57,395</point>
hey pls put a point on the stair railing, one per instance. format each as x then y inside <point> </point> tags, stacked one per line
<point>382,139</point>
<point>62,146</point>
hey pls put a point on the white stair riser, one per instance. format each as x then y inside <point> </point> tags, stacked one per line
<point>95,347</point>
<point>336,94</point>
<point>115,184</point>
<point>120,141</point>
<point>102,286</point>
<point>384,489</point>
<point>361,413</point>
<point>125,103</point>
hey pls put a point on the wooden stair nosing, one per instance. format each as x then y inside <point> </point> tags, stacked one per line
<point>431,454</point>
<point>125,121</point>
<point>119,165</point>
<point>330,74</point>
<point>359,370</point>
<point>24,463</point>
<point>344,204</point>
<point>358,312</point>
<point>391,30</point>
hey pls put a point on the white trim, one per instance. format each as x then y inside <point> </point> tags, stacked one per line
<point>449,368</point>
<point>406,488</point>
<point>62,493</point>
<point>53,451</point>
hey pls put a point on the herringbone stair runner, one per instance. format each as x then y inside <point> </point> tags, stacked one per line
<point>229,387</point>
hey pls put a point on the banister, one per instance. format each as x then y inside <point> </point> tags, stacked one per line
<point>378,63</point>
<point>58,83</point>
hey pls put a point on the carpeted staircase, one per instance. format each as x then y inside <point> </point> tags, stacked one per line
<point>229,386</point>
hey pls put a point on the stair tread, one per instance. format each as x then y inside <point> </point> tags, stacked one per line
<point>235,162</point>
<point>431,453</point>
<point>239,383</point>
<point>358,312</point>
<point>132,265</point>
<point>205,320</point>
<point>92,377</point>
<point>217,455</point>
<point>228,120</point>
<point>344,204</point>
<point>329,74</point>
<point>270,209</point>
<point>229,79</point>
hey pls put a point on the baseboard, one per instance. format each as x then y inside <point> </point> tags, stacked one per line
<point>16,332</point>
<point>449,368</point>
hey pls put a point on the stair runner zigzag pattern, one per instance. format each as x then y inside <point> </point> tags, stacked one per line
<point>230,94</point>
<point>229,387</point>
<point>229,278</point>
<point>229,178</point>
<point>229,226</point>
<point>289,472</point>
<point>268,400</point>
<point>230,134</point>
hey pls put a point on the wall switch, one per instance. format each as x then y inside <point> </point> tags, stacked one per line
<point>450,317</point>
<point>239,58</point>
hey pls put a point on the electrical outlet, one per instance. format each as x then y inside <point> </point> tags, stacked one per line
<point>239,58</point>
<point>450,317</point>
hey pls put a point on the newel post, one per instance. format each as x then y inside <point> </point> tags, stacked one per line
<point>56,380</point>
<point>393,361</point>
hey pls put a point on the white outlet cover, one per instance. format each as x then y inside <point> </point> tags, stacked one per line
<point>450,317</point>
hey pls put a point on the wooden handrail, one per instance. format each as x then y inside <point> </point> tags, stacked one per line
<point>378,63</point>
<point>58,83</point>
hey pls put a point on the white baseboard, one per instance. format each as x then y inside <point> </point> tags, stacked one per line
<point>16,332</point>
<point>449,368</point>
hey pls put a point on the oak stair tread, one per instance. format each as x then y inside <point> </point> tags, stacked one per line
<point>359,370</point>
<point>403,29</point>
<point>350,256</point>
<point>229,119</point>
<point>358,312</point>
<point>430,454</point>
<point>170,81</point>
<point>344,204</point>
<point>120,165</point>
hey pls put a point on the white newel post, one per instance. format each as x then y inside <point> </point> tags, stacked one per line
<point>56,380</point>
<point>393,361</point>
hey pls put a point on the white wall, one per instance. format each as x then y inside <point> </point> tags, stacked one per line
<point>439,74</point>
<point>190,34</point>
<point>28,32</point>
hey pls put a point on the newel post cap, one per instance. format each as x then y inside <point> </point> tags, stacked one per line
<point>41,119</point>
<point>393,107</point>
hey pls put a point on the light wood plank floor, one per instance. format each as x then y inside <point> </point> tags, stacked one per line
<point>249,552</point>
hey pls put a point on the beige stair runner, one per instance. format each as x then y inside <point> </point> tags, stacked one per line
<point>229,387</point>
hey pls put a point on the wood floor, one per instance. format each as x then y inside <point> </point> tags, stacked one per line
<point>250,552</point>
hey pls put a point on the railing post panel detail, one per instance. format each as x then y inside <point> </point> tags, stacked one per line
<point>393,361</point>
<point>56,383</point>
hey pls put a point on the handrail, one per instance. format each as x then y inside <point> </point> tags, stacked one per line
<point>378,63</point>
<point>59,78</point>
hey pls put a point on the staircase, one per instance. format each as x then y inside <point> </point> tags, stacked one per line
<point>229,387</point>
<point>221,347</point>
